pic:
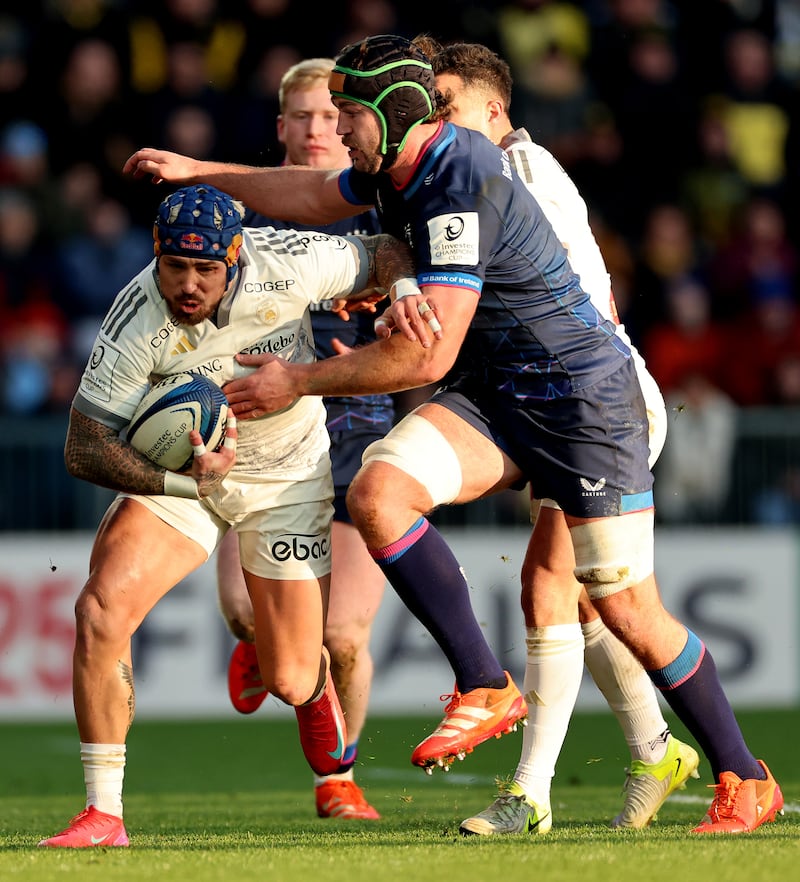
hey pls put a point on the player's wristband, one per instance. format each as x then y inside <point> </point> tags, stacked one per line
<point>404,287</point>
<point>180,485</point>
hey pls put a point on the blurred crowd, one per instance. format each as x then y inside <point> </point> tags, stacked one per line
<point>677,120</point>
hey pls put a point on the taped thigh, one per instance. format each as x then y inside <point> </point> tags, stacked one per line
<point>612,554</point>
<point>418,448</point>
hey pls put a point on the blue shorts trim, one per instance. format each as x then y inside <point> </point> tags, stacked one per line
<point>636,502</point>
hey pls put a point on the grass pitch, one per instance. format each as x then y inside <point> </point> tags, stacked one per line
<point>232,800</point>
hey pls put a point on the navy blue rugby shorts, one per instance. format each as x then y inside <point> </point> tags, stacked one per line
<point>588,451</point>
<point>347,446</point>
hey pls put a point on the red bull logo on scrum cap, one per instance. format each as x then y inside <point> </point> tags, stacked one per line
<point>191,242</point>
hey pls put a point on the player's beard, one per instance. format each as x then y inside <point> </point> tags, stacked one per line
<point>365,160</point>
<point>369,163</point>
<point>195,318</point>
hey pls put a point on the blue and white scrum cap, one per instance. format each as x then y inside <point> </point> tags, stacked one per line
<point>200,221</point>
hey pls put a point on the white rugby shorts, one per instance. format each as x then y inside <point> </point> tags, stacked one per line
<point>284,526</point>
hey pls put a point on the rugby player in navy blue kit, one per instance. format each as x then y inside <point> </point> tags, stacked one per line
<point>537,387</point>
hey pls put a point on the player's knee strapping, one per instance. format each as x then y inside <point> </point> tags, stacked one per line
<point>419,449</point>
<point>615,553</point>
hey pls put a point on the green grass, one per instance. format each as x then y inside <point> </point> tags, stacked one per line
<point>232,800</point>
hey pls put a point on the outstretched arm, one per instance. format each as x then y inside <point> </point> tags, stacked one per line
<point>387,365</point>
<point>290,193</point>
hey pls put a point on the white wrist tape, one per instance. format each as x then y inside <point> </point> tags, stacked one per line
<point>405,287</point>
<point>180,485</point>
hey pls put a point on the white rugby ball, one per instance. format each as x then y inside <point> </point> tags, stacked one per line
<point>169,411</point>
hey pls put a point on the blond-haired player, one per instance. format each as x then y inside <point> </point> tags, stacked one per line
<point>306,127</point>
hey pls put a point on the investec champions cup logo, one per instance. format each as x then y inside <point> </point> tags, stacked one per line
<point>455,239</point>
<point>454,229</point>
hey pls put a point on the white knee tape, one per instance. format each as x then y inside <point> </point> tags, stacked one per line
<point>419,449</point>
<point>613,554</point>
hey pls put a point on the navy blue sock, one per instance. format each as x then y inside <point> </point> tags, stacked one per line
<point>691,687</point>
<point>349,758</point>
<point>428,579</point>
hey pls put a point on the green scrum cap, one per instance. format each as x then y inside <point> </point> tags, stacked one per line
<point>392,77</point>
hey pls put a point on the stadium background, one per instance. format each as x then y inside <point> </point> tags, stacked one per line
<point>678,120</point>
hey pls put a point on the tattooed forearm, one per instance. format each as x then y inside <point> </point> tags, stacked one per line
<point>95,453</point>
<point>389,260</point>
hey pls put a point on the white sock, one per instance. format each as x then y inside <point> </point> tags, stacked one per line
<point>552,679</point>
<point>337,776</point>
<point>628,690</point>
<point>103,772</point>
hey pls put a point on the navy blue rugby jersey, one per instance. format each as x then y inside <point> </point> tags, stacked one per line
<point>473,224</point>
<point>343,412</point>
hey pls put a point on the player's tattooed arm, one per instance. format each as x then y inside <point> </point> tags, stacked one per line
<point>389,260</point>
<point>95,452</point>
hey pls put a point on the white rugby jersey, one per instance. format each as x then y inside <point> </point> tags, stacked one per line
<point>281,272</point>
<point>566,210</point>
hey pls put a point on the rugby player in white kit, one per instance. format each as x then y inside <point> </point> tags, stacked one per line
<point>213,290</point>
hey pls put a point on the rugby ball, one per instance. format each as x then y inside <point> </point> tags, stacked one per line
<point>169,411</point>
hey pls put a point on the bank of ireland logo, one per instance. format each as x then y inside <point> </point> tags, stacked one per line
<point>593,488</point>
<point>268,312</point>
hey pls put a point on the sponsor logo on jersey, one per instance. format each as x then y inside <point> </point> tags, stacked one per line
<point>211,369</point>
<point>269,286</point>
<point>97,356</point>
<point>97,386</point>
<point>506,164</point>
<point>182,346</point>
<point>454,239</point>
<point>163,334</point>
<point>272,345</point>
